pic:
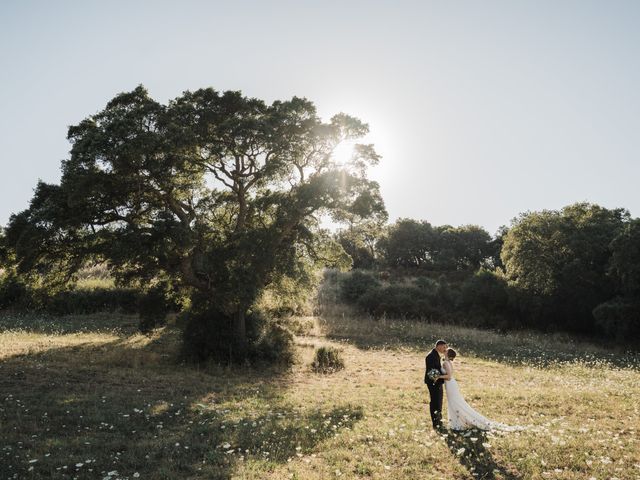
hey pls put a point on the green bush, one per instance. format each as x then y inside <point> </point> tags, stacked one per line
<point>209,335</point>
<point>289,296</point>
<point>152,308</point>
<point>356,284</point>
<point>300,326</point>
<point>327,360</point>
<point>400,301</point>
<point>438,293</point>
<point>83,301</point>
<point>14,293</point>
<point>427,285</point>
<point>619,319</point>
<point>485,291</point>
<point>274,345</point>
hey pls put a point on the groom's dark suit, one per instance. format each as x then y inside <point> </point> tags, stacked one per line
<point>432,360</point>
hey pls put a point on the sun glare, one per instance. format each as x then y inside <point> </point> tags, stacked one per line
<point>344,152</point>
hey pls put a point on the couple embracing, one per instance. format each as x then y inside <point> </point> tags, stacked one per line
<point>460,414</point>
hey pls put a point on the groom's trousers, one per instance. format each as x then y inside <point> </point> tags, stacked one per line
<point>435,406</point>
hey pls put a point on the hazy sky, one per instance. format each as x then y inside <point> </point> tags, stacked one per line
<point>481,110</point>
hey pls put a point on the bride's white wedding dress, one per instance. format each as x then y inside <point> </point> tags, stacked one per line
<point>461,415</point>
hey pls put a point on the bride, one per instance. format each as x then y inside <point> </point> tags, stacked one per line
<point>461,414</point>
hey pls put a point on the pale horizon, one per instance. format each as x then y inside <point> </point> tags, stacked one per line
<point>480,111</point>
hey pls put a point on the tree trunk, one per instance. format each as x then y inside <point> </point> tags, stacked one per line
<point>240,330</point>
<point>240,326</point>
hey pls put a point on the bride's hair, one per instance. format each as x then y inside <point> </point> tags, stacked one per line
<point>451,353</point>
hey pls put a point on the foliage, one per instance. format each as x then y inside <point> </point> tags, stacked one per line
<point>436,292</point>
<point>360,243</point>
<point>486,291</point>
<point>290,294</point>
<point>327,360</point>
<point>557,262</point>
<point>209,335</point>
<point>300,325</point>
<point>216,190</point>
<point>153,307</point>
<point>494,262</point>
<point>625,259</point>
<point>16,293</point>
<point>461,248</point>
<point>619,319</point>
<point>485,297</point>
<point>13,291</point>
<point>274,344</point>
<point>354,284</point>
<point>410,243</point>
<point>398,301</point>
<point>84,301</point>
<point>4,251</point>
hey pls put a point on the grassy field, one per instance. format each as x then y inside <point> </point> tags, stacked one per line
<point>88,397</point>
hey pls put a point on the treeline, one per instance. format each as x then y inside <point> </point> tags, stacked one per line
<point>417,245</point>
<point>576,269</point>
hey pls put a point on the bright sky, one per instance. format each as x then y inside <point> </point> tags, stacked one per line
<point>481,110</point>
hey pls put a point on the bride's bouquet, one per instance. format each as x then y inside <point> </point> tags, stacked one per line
<point>433,374</point>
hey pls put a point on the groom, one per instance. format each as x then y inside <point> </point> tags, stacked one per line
<point>432,361</point>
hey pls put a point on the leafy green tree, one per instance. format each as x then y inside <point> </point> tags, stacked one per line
<point>218,191</point>
<point>625,259</point>
<point>494,262</point>
<point>361,243</point>
<point>462,248</point>
<point>558,261</point>
<point>408,243</point>
<point>485,292</point>
<point>4,251</point>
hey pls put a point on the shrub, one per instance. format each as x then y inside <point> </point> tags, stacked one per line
<point>209,335</point>
<point>300,326</point>
<point>94,300</point>
<point>357,283</point>
<point>327,360</point>
<point>428,285</point>
<point>619,319</point>
<point>274,345</point>
<point>13,292</point>
<point>289,296</point>
<point>436,292</point>
<point>152,308</point>
<point>399,301</point>
<point>485,291</point>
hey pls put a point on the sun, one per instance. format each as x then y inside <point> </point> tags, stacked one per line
<point>343,153</point>
<point>383,135</point>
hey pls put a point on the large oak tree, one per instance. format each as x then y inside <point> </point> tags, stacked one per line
<point>217,191</point>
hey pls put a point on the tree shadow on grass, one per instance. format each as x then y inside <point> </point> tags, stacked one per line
<point>470,447</point>
<point>101,322</point>
<point>87,411</point>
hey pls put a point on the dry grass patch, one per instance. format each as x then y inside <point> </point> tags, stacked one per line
<point>87,396</point>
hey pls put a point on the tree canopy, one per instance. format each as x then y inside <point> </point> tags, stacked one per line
<point>560,260</point>
<point>418,244</point>
<point>217,191</point>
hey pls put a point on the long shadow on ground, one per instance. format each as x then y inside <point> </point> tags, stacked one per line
<point>101,322</point>
<point>113,410</point>
<point>471,449</point>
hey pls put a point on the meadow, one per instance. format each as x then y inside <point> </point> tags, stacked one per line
<point>88,396</point>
